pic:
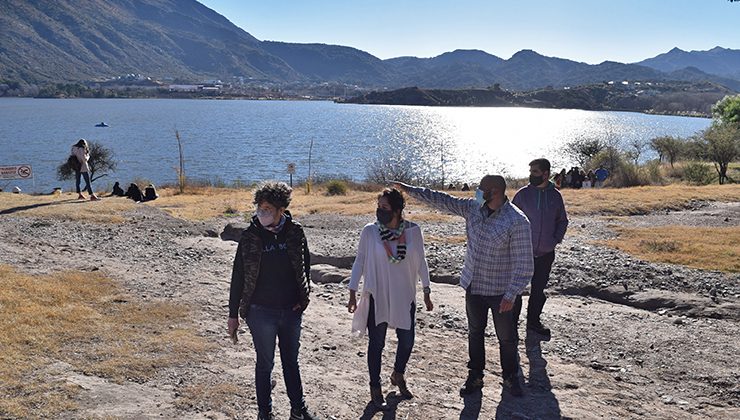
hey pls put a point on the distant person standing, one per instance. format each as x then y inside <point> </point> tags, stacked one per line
<point>81,151</point>
<point>497,269</point>
<point>601,175</point>
<point>544,207</point>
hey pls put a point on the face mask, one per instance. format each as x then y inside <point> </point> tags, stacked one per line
<point>479,197</point>
<point>265,217</point>
<point>536,180</point>
<point>384,216</point>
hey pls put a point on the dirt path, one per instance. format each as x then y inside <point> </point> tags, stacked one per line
<point>606,360</point>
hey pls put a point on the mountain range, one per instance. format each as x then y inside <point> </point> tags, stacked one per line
<point>45,41</point>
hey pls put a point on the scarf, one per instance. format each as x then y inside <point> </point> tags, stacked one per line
<point>278,228</point>
<point>387,235</point>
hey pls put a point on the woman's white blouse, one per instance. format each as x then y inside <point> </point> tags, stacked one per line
<point>392,285</point>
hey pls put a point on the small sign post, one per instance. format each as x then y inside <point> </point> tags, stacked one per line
<point>16,172</point>
<point>291,171</point>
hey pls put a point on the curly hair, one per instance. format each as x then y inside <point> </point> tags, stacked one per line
<point>394,197</point>
<point>275,193</point>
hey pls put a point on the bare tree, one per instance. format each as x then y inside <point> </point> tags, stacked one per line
<point>583,150</point>
<point>636,148</point>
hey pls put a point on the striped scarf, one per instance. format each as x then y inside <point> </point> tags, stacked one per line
<point>387,235</point>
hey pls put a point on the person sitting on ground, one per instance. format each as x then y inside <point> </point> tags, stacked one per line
<point>391,261</point>
<point>134,192</point>
<point>150,193</point>
<point>465,187</point>
<point>117,190</point>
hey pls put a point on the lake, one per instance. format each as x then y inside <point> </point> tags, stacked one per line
<point>244,140</point>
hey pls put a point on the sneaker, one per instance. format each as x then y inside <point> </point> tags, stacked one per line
<point>94,198</point>
<point>540,329</point>
<point>513,387</point>
<point>81,197</point>
<point>398,380</point>
<point>473,384</point>
<point>302,414</point>
<point>265,416</point>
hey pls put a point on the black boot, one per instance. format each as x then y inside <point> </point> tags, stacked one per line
<point>376,396</point>
<point>473,384</point>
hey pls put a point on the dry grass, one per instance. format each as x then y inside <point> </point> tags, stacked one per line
<point>207,203</point>
<point>208,395</point>
<point>85,320</point>
<point>710,248</point>
<point>65,207</point>
<point>202,203</point>
<point>642,200</point>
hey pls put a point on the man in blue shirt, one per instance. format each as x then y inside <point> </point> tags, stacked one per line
<point>601,175</point>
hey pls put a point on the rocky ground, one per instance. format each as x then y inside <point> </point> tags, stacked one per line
<point>630,338</point>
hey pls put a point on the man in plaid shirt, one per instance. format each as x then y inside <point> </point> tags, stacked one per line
<point>498,266</point>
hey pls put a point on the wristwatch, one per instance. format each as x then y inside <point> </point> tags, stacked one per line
<point>427,290</point>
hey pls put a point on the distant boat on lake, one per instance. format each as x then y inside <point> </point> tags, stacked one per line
<point>102,124</point>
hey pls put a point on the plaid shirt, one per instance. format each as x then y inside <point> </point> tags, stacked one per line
<point>498,260</point>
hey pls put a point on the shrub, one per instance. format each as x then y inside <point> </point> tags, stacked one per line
<point>698,173</point>
<point>336,187</point>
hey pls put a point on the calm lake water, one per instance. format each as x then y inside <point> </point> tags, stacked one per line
<point>255,140</point>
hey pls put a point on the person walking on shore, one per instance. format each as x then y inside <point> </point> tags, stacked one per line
<point>544,207</point>
<point>81,151</point>
<point>498,266</point>
<point>270,286</point>
<point>391,261</point>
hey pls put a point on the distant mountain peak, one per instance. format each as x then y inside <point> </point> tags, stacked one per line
<point>676,50</point>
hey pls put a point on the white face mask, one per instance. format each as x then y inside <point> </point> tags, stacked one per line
<point>265,217</point>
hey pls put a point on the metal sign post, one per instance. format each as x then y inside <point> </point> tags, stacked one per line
<point>291,171</point>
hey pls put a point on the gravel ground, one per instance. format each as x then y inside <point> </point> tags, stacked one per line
<point>630,338</point>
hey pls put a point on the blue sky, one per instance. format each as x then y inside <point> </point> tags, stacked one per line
<point>583,30</point>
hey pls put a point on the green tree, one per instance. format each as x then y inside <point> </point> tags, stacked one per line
<point>101,162</point>
<point>668,147</point>
<point>727,110</point>
<point>721,145</point>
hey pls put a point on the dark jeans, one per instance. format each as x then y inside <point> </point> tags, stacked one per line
<point>266,324</point>
<point>537,298</point>
<point>477,308</point>
<point>88,186</point>
<point>376,342</point>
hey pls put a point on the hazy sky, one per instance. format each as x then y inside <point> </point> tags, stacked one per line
<point>583,30</point>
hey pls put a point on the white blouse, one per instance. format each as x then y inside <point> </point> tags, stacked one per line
<point>392,285</point>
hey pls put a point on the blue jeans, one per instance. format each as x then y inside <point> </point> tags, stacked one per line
<point>376,343</point>
<point>477,308</point>
<point>88,186</point>
<point>266,324</point>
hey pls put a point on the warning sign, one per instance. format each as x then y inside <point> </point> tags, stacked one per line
<point>16,172</point>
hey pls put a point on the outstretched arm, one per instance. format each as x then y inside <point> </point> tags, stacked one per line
<point>437,199</point>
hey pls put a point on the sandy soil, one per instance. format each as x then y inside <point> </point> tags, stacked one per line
<point>630,338</point>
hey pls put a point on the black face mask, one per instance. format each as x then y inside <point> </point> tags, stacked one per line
<point>384,216</point>
<point>536,180</point>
